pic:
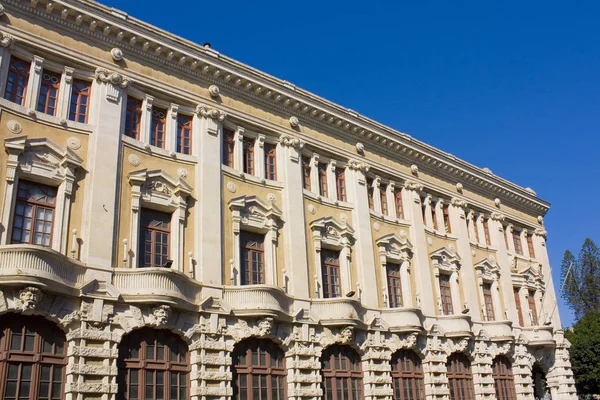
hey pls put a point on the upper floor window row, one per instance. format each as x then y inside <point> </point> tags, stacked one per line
<point>162,127</point>
<point>41,90</point>
<point>249,153</point>
<point>436,214</point>
<point>519,241</point>
<point>478,226</point>
<point>385,198</point>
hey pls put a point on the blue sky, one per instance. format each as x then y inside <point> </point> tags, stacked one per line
<point>513,86</point>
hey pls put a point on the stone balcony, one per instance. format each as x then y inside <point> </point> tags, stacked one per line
<point>22,264</point>
<point>150,285</point>
<point>258,300</point>
<point>403,319</point>
<point>454,325</point>
<point>496,330</point>
<point>338,311</point>
<point>540,336</point>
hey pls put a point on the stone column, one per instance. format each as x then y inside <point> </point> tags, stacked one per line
<point>35,80</point>
<point>295,251</point>
<point>364,262</point>
<point>504,262</point>
<point>421,264</point>
<point>101,201</point>
<point>207,191</point>
<point>550,307</point>
<point>6,44</point>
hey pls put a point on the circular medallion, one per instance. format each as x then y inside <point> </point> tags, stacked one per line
<point>182,172</point>
<point>74,143</point>
<point>272,198</point>
<point>311,209</point>
<point>133,160</point>
<point>14,127</point>
<point>376,226</point>
<point>231,187</point>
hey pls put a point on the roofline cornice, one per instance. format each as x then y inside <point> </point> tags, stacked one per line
<point>135,37</point>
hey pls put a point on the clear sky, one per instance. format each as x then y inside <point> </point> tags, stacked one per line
<point>513,86</point>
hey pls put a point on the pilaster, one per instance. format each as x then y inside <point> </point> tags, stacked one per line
<point>6,44</point>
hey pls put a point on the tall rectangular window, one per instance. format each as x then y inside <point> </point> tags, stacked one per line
<point>252,258</point>
<point>383,199</point>
<point>270,162</point>
<point>80,101</point>
<point>475,229</point>
<point>322,169</point>
<point>446,217</point>
<point>17,81</point>
<point>394,285</point>
<point>399,206</point>
<point>486,231</point>
<point>519,308</point>
<point>133,118</point>
<point>228,147</point>
<point>489,303</point>
<point>184,134</point>
<point>49,87</point>
<point>446,294</point>
<point>330,265</point>
<point>155,230</point>
<point>505,237</point>
<point>530,246</point>
<point>248,145</point>
<point>533,308</point>
<point>34,214</point>
<point>340,182</point>
<point>434,217</point>
<point>370,194</point>
<point>516,236</point>
<point>158,127</point>
<point>306,172</point>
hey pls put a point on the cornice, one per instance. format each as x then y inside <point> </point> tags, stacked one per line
<point>136,38</point>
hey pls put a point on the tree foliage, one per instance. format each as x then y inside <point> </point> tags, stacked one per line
<point>582,285</point>
<point>585,353</point>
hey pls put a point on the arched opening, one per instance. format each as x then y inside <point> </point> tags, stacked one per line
<point>460,378</point>
<point>407,376</point>
<point>540,386</point>
<point>33,358</point>
<point>503,379</point>
<point>153,364</point>
<point>258,370</point>
<point>342,373</point>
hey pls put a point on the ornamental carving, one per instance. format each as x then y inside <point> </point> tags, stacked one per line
<point>14,126</point>
<point>213,90</point>
<point>265,326</point>
<point>398,342</point>
<point>497,217</point>
<point>157,186</point>
<point>133,160</point>
<point>412,185</point>
<point>29,298</point>
<point>294,122</point>
<point>345,336</point>
<point>117,54</point>
<point>455,201</point>
<point>161,315</point>
<point>455,345</point>
<point>291,141</point>
<point>358,165</point>
<point>212,113</point>
<point>6,40</point>
<point>74,143</point>
<point>113,78</point>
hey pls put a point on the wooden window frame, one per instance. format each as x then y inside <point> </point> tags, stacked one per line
<point>17,76</point>
<point>146,213</point>
<point>158,127</point>
<point>40,333</point>
<point>486,231</point>
<point>322,175</point>
<point>530,245</point>
<point>475,229</point>
<point>446,218</point>
<point>247,253</point>
<point>49,90</point>
<point>532,308</point>
<point>35,205</point>
<point>270,161</point>
<point>163,344</point>
<point>383,200</point>
<point>446,294</point>
<point>340,183</point>
<point>78,111</point>
<point>133,118</point>
<point>460,377</point>
<point>394,285</point>
<point>349,373</point>
<point>263,363</point>
<point>330,274</point>
<point>518,305</point>
<point>399,205</point>
<point>184,132</point>
<point>516,237</point>
<point>488,301</point>
<point>306,168</point>
<point>248,155</point>
<point>371,194</point>
<point>228,147</point>
<point>408,379</point>
<point>504,381</point>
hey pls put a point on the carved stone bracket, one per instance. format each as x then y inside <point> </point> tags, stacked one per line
<point>412,185</point>
<point>207,112</point>
<point>6,40</point>
<point>358,165</point>
<point>291,141</point>
<point>114,82</point>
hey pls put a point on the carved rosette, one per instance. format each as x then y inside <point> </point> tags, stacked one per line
<point>207,112</point>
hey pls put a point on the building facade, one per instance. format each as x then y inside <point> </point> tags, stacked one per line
<point>177,225</point>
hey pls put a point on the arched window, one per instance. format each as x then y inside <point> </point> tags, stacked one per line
<point>407,376</point>
<point>460,379</point>
<point>503,379</point>
<point>153,364</point>
<point>33,358</point>
<point>342,374</point>
<point>258,371</point>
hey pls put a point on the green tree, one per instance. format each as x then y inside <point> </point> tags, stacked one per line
<point>585,354</point>
<point>582,284</point>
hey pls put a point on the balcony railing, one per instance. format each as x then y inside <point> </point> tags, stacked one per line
<point>337,310</point>
<point>403,319</point>
<point>257,300</point>
<point>538,335</point>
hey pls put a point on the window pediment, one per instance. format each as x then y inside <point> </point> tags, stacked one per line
<point>157,188</point>
<point>394,247</point>
<point>488,269</point>
<point>42,157</point>
<point>445,259</point>
<point>531,276</point>
<point>333,233</point>
<point>252,212</point>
